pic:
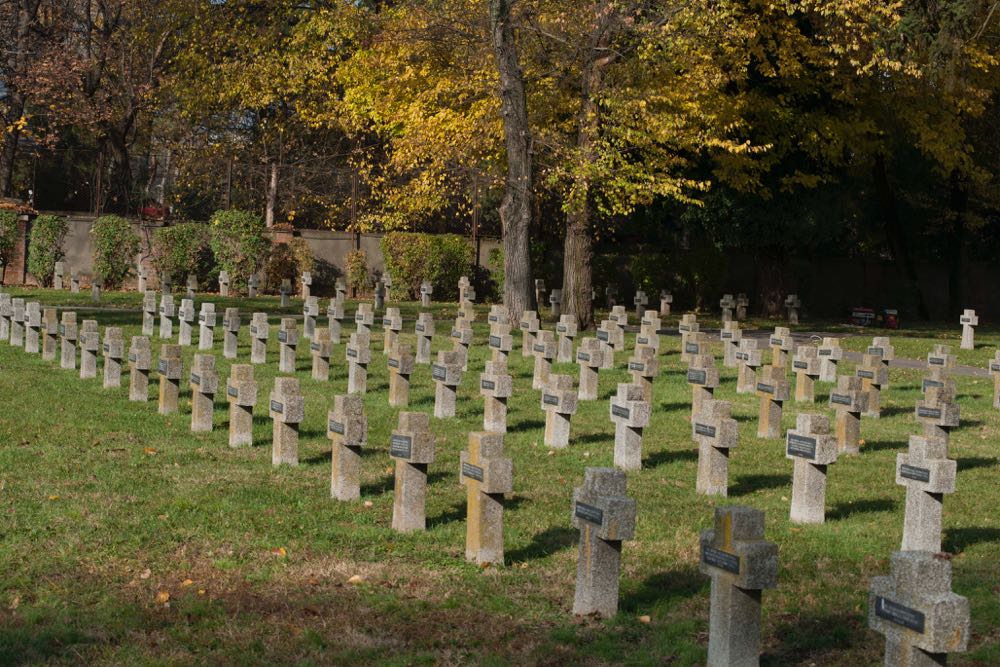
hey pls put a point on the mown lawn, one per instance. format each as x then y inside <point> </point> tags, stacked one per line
<point>128,540</point>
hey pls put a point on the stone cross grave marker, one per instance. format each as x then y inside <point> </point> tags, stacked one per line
<point>359,355</point>
<point>17,323</point>
<point>640,301</point>
<point>364,318</point>
<point>940,364</point>
<point>335,320</point>
<point>204,384</point>
<point>611,338</point>
<point>306,280</point>
<point>90,347</point>
<point>167,311</point>
<point>447,374</point>
<point>32,327</point>
<point>555,303</point>
<point>644,366</point>
<point>320,349</point>
<point>50,334</point>
<point>742,306</point>
<point>379,302</point>
<point>497,315</point>
<point>6,313</point>
<point>206,327</point>
<point>148,312</point>
<point>566,330</point>
<point>223,283</point>
<point>166,285</point>
<point>830,353</point>
<point>461,340</point>
<point>741,564</point>
<point>969,321</point>
<point>703,377</point>
<point>938,413</point>
<point>730,335</point>
<point>192,285</point>
<point>424,329</point>
<point>793,304</point>
<point>873,374</point>
<point>74,282</point>
<point>231,323</point>
<point>927,474</point>
<point>142,278</point>
<point>994,368</point>
<point>340,288</point>
<point>288,341</point>
<point>347,429</point>
<point>914,608</point>
<point>68,334</point>
<point>401,365</point>
<point>392,324</point>
<point>590,358</point>
<point>286,408</point>
<point>540,291</point>
<point>782,345</point>
<point>241,394</point>
<point>619,316</point>
<point>545,348</point>
<point>96,285</point>
<point>716,433</point>
<point>649,331</point>
<point>412,447</point>
<point>426,292</point>
<point>253,284</point>
<point>185,320</point>
<point>559,399</point>
<point>466,309</point>
<point>605,517</point>
<point>496,386</point>
<point>140,363</point>
<point>170,368</point>
<point>310,313</point>
<point>57,277</point>
<point>260,330</point>
<point>849,400</point>
<point>529,328</point>
<point>812,448</point>
<point>487,476</point>
<point>611,296</point>
<point>500,341</point>
<point>285,291</point>
<point>687,325</point>
<point>666,299</point>
<point>727,304</point>
<point>806,363</point>
<point>630,415</point>
<point>883,349</point>
<point>773,390</point>
<point>114,352</point>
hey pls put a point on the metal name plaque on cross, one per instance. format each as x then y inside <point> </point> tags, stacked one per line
<point>233,391</point>
<point>704,429</point>
<point>107,348</point>
<point>929,413</point>
<point>525,325</point>
<point>840,399</point>
<point>777,341</point>
<point>455,333</point>
<point>743,356</point>
<point>195,379</point>
<point>419,328</point>
<point>927,384</point>
<point>439,372</point>
<point>314,347</point>
<point>162,366</point>
<point>913,472</point>
<point>561,328</point>
<point>867,375</point>
<point>589,513</point>
<point>994,368</point>
<point>825,352</point>
<point>636,366</point>
<point>583,356</point>
<point>549,399</point>
<point>619,411</point>
<point>539,348</point>
<point>801,446</point>
<point>935,361</point>
<point>494,341</point>
<point>132,357</point>
<point>351,352</point>
<point>697,377</point>
<point>966,320</point>
<point>876,351</point>
<point>472,472</point>
<point>393,363</point>
<point>277,407</point>
<point>899,614</point>
<point>492,318</point>
<point>335,427</point>
<point>765,388</point>
<point>602,335</point>
<point>282,336</point>
<point>720,559</point>
<point>488,385</point>
<point>691,348</point>
<point>726,335</point>
<point>803,365</point>
<point>642,340</point>
<point>400,446</point>
<point>683,327</point>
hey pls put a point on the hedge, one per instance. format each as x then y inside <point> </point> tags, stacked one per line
<point>183,249</point>
<point>45,247</point>
<point>8,235</point>
<point>115,247</point>
<point>240,244</point>
<point>413,258</point>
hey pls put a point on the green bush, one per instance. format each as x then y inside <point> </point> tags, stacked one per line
<point>240,244</point>
<point>357,271</point>
<point>288,260</point>
<point>496,259</point>
<point>180,250</point>
<point>45,247</point>
<point>8,235</point>
<point>413,258</point>
<point>115,247</point>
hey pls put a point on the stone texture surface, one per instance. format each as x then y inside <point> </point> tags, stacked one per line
<point>412,447</point>
<point>487,475</point>
<point>347,429</point>
<point>812,449</point>
<point>241,393</point>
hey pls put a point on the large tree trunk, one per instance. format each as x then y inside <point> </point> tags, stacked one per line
<point>272,195</point>
<point>577,255</point>
<point>515,209</point>
<point>894,233</point>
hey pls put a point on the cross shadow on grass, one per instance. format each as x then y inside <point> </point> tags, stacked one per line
<point>847,509</point>
<point>968,423</point>
<point>526,425</point>
<point>673,407</point>
<point>662,588</point>
<point>811,637</point>
<point>665,457</point>
<point>545,543</point>
<point>894,410</point>
<point>880,445</point>
<point>957,540</point>
<point>456,513</point>
<point>974,462</point>
<point>749,483</point>
<point>592,438</point>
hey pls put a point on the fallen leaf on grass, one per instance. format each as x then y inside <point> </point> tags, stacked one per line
<point>162,597</point>
<point>356,579</point>
<point>645,618</point>
<point>280,551</point>
<point>150,450</point>
<point>146,574</point>
<point>53,497</point>
<point>15,602</point>
<point>369,503</point>
<point>187,582</point>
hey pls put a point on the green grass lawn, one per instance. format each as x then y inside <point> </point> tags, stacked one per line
<point>128,540</point>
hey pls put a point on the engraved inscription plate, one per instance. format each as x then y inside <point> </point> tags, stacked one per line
<point>488,385</point>
<point>619,411</point>
<point>697,376</point>
<point>840,399</point>
<point>277,407</point>
<point>583,356</point>
<point>400,446</point>
<point>549,399</point>
<point>899,614</point>
<point>913,472</point>
<point>439,372</point>
<point>472,472</point>
<point>706,430</point>
<point>636,366</point>
<point>765,388</point>
<point>929,413</point>
<point>589,513</point>
<point>335,427</point>
<point>801,446</point>
<point>720,559</point>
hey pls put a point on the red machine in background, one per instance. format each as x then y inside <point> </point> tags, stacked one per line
<point>887,318</point>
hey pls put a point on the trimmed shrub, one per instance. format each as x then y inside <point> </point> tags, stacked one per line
<point>497,276</point>
<point>8,235</point>
<point>413,258</point>
<point>45,247</point>
<point>240,244</point>
<point>357,271</point>
<point>288,260</point>
<point>180,250</point>
<point>115,247</point>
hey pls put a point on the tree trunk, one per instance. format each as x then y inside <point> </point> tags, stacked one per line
<point>577,255</point>
<point>515,208</point>
<point>894,233</point>
<point>956,249</point>
<point>27,12</point>
<point>272,195</point>
<point>9,152</point>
